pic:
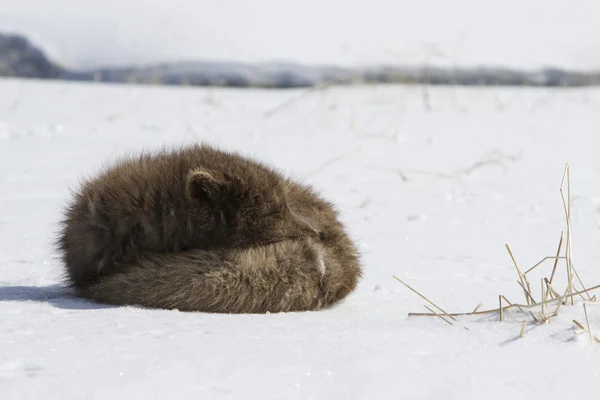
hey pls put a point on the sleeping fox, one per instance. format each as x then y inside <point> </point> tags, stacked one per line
<point>201,229</point>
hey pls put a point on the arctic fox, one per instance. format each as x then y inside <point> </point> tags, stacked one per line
<point>200,229</point>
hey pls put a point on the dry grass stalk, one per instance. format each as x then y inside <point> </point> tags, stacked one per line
<point>441,316</point>
<point>578,324</point>
<point>512,305</point>
<point>528,296</point>
<point>425,298</point>
<point>555,258</point>
<point>587,321</point>
<point>567,209</point>
<point>521,276</point>
<point>524,306</point>
<point>551,291</point>
<point>563,301</point>
<point>556,261</point>
<point>549,295</point>
<point>528,291</point>
<point>564,297</point>
<point>544,298</point>
<point>580,281</point>
<point>542,261</point>
<point>534,317</point>
<point>522,329</point>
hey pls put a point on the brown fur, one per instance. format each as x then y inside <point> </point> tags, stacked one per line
<point>205,230</point>
<point>279,277</point>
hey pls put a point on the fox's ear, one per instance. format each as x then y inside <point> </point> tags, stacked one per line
<point>203,185</point>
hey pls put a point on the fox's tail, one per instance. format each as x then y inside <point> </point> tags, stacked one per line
<point>285,276</point>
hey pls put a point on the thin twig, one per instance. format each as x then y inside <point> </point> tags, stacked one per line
<point>579,279</point>
<point>560,303</point>
<point>544,259</point>
<point>511,304</point>
<point>521,277</point>
<point>578,324</point>
<point>527,293</point>
<point>522,329</point>
<point>557,254</point>
<point>524,306</point>
<point>423,297</point>
<point>544,296</point>
<point>567,208</point>
<point>534,317</point>
<point>550,288</point>
<point>587,321</point>
<point>443,319</point>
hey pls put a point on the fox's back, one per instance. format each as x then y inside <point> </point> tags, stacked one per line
<point>138,204</point>
<point>110,214</point>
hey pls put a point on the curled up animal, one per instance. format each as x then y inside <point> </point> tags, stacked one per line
<point>200,229</point>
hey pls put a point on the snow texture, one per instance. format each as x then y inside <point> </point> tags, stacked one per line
<point>431,182</point>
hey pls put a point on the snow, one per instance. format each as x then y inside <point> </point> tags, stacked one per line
<point>432,184</point>
<point>511,33</point>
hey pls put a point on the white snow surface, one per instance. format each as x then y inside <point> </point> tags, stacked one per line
<point>441,230</point>
<point>514,33</point>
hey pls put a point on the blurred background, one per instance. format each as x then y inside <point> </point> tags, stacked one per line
<point>292,43</point>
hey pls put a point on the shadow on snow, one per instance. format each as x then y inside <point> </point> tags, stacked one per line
<point>56,295</point>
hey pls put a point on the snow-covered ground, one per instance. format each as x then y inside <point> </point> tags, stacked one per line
<point>432,184</point>
<point>513,33</point>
